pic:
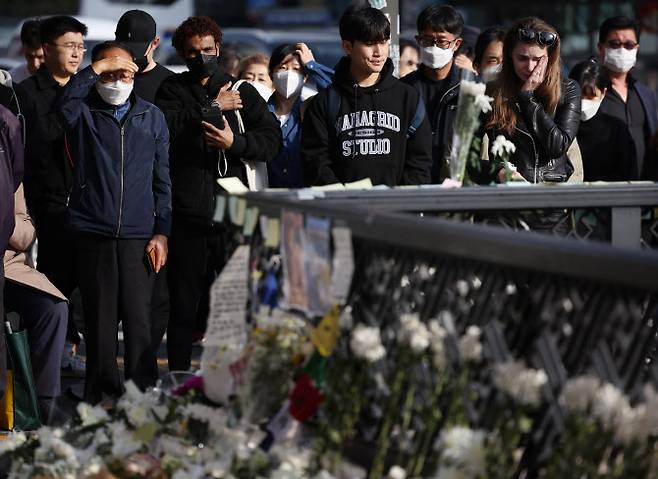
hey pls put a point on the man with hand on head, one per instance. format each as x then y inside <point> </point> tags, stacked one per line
<point>120,210</point>
<point>137,30</point>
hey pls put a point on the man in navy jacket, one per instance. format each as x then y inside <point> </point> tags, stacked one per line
<point>120,209</point>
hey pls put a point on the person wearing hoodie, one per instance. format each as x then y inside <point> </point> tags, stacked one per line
<point>368,124</point>
<point>120,212</point>
<point>438,78</point>
<point>206,144</point>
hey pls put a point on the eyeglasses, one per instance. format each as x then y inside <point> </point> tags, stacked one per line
<point>80,47</point>
<point>616,44</point>
<point>427,41</point>
<point>542,38</point>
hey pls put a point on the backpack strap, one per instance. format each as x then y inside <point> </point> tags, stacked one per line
<point>333,107</point>
<point>418,118</point>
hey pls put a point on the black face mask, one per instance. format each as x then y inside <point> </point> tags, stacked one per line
<point>203,66</point>
<point>141,62</point>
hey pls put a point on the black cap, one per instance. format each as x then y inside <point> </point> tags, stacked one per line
<point>136,29</point>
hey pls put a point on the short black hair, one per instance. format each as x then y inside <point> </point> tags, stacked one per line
<point>590,74</point>
<point>404,44</point>
<point>491,34</point>
<point>31,34</point>
<point>618,23</point>
<point>101,47</point>
<point>440,18</point>
<point>54,27</point>
<point>364,24</point>
<point>278,55</point>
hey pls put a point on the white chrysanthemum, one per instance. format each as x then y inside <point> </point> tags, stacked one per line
<point>472,88</point>
<point>520,383</point>
<point>470,347</point>
<point>632,425</point>
<point>414,333</point>
<point>323,475</point>
<point>464,447</point>
<point>483,102</point>
<point>502,146</point>
<point>462,287</point>
<point>609,406</point>
<point>91,415</point>
<point>452,473</point>
<point>396,472</point>
<point>215,418</point>
<point>366,343</point>
<point>13,441</point>
<point>287,471</point>
<point>123,442</point>
<point>578,394</point>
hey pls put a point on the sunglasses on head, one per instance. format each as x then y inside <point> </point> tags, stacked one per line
<point>543,38</point>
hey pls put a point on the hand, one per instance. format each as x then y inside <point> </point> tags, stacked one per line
<point>537,76</point>
<point>304,52</point>
<point>465,63</point>
<point>159,242</point>
<point>216,138</point>
<point>113,64</point>
<point>450,183</point>
<point>516,176</point>
<point>228,99</point>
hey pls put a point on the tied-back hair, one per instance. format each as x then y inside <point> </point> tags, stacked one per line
<point>507,87</point>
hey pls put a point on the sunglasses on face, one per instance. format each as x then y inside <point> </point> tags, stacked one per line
<point>542,38</point>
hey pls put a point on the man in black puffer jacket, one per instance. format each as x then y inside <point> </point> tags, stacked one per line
<point>201,153</point>
<point>367,124</point>
<point>120,209</point>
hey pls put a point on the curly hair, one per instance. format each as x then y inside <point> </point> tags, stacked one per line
<point>195,26</point>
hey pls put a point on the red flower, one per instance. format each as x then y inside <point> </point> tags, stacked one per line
<point>305,399</point>
<point>193,384</point>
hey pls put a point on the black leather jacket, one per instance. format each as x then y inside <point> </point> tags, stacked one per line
<point>542,139</point>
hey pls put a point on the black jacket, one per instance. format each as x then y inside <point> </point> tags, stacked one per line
<point>541,139</point>
<point>369,139</point>
<point>194,168</point>
<point>11,172</point>
<point>444,112</point>
<point>48,171</point>
<point>121,187</point>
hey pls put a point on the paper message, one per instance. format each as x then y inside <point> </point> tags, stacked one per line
<point>343,264</point>
<point>233,185</point>
<point>228,302</point>
<point>292,253</point>
<point>317,258</point>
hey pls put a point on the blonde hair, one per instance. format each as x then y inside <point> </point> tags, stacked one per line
<point>507,87</point>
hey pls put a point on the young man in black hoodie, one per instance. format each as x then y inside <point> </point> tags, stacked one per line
<point>438,78</point>
<point>201,152</point>
<point>368,124</point>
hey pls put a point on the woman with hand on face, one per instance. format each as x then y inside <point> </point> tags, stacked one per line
<point>534,107</point>
<point>604,140</point>
<point>290,67</point>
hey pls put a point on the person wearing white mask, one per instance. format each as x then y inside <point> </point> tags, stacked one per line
<point>290,66</point>
<point>120,212</point>
<point>627,99</point>
<point>604,141</point>
<point>438,78</point>
<point>488,61</point>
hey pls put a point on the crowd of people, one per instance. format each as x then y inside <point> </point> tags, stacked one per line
<point>121,158</point>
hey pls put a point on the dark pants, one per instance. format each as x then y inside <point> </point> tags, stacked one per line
<point>196,256</point>
<point>44,317</point>
<point>56,256</point>
<point>159,310</point>
<point>3,344</point>
<point>115,285</point>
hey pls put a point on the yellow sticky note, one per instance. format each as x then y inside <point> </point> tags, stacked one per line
<point>325,335</point>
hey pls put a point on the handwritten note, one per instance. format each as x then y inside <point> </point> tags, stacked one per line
<point>343,264</point>
<point>228,303</point>
<point>292,253</point>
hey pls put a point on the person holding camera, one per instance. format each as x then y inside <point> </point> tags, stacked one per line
<point>120,212</point>
<point>203,112</point>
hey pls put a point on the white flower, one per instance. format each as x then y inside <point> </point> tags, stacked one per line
<point>502,147</point>
<point>438,335</point>
<point>215,418</point>
<point>366,343</point>
<point>13,441</point>
<point>123,443</point>
<point>578,394</point>
<point>472,88</point>
<point>414,333</point>
<point>138,416</point>
<point>462,287</point>
<point>470,347</point>
<point>396,472</point>
<point>520,383</point>
<point>451,473</point>
<point>632,425</point>
<point>609,406</point>
<point>323,475</point>
<point>483,102</point>
<point>464,447</point>
<point>91,415</point>
<point>345,320</point>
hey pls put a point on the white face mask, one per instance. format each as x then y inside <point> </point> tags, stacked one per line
<point>115,93</point>
<point>620,60</point>
<point>589,108</point>
<point>288,83</point>
<point>262,89</point>
<point>435,57</point>
<point>491,73</point>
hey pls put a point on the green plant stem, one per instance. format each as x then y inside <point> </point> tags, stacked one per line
<point>432,421</point>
